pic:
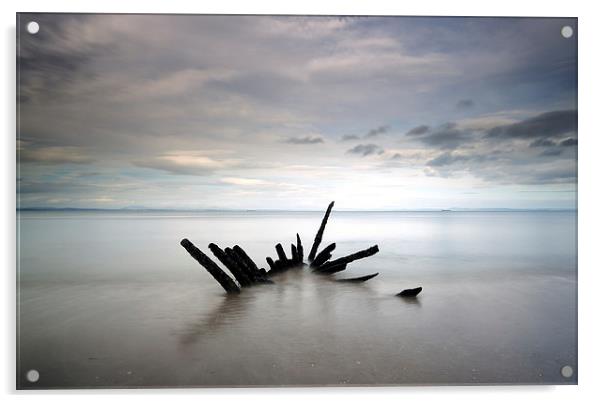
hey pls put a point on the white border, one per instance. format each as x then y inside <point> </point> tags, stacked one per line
<point>590,204</point>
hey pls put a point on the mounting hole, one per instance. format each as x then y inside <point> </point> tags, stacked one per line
<point>566,31</point>
<point>32,375</point>
<point>33,27</point>
<point>566,371</point>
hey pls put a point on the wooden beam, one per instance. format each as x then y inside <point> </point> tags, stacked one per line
<point>231,265</point>
<point>299,249</point>
<point>319,234</point>
<point>326,267</point>
<point>357,279</point>
<point>281,254</point>
<point>323,256</point>
<point>218,274</point>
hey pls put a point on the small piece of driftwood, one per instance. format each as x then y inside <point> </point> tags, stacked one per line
<point>410,292</point>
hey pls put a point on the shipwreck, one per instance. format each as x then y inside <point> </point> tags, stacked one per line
<point>245,272</point>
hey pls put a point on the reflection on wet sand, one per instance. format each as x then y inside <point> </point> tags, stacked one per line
<point>497,306</point>
<point>294,287</point>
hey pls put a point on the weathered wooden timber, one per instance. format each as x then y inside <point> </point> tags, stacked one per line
<point>222,278</point>
<point>280,252</point>
<point>240,276</point>
<point>410,292</point>
<point>247,273</point>
<point>294,256</point>
<point>357,279</point>
<point>258,275</point>
<point>238,264</point>
<point>334,269</point>
<point>319,234</point>
<point>326,267</point>
<point>323,256</point>
<point>299,249</point>
<point>270,263</point>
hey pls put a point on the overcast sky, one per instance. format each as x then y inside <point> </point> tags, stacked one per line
<point>292,112</point>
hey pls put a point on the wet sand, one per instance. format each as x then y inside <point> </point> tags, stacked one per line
<point>114,301</point>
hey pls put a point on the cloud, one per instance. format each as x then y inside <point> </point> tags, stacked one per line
<point>569,142</point>
<point>305,140</point>
<point>97,92</point>
<point>542,143</point>
<point>449,158</point>
<point>377,131</point>
<point>54,155</point>
<point>465,104</point>
<point>186,163</point>
<point>447,136</point>
<point>546,125</point>
<point>551,152</point>
<point>365,150</point>
<point>245,181</point>
<point>418,130</point>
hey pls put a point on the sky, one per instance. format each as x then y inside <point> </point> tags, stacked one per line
<point>291,112</point>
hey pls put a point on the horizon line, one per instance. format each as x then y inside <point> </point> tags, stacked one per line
<point>143,209</point>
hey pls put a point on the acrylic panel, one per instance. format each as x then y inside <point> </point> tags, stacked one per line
<point>224,201</point>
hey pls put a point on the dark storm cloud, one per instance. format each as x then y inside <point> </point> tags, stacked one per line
<point>377,131</point>
<point>365,150</point>
<point>569,142</point>
<point>350,137</point>
<point>418,130</point>
<point>549,124</point>
<point>448,136</point>
<point>542,143</point>
<point>561,175</point>
<point>465,104</point>
<point>305,140</point>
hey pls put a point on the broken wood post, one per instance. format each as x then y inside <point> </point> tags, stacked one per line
<point>270,263</point>
<point>410,292</point>
<point>238,264</point>
<point>299,249</point>
<point>231,265</point>
<point>323,256</point>
<point>281,254</point>
<point>348,259</point>
<point>318,238</point>
<point>294,257</point>
<point>250,264</point>
<point>334,268</point>
<point>222,278</point>
<point>357,279</point>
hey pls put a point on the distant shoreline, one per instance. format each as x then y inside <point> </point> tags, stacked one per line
<point>151,210</point>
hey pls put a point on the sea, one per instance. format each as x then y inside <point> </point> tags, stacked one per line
<point>111,299</point>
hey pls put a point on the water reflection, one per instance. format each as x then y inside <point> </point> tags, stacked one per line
<point>294,292</point>
<point>231,308</point>
<point>497,306</point>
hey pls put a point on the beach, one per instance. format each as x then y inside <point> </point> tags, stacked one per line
<point>111,299</point>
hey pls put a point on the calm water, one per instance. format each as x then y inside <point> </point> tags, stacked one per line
<point>112,299</point>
